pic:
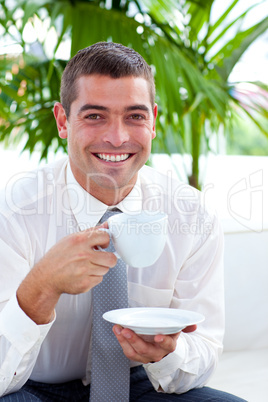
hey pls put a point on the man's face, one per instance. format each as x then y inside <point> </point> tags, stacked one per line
<point>109,130</point>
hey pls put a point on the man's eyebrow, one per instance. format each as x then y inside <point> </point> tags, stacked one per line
<point>89,106</point>
<point>137,107</point>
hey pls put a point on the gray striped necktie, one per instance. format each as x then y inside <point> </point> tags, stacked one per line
<point>109,367</point>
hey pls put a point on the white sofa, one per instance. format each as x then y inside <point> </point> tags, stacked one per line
<point>243,367</point>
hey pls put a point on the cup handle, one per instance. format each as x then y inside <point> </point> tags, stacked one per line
<point>99,248</point>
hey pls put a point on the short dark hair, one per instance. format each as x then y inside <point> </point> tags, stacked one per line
<point>105,58</point>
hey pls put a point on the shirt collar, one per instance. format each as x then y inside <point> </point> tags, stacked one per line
<point>88,210</point>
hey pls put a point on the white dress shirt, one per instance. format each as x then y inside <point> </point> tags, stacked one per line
<point>48,204</point>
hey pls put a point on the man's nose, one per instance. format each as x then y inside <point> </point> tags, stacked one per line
<point>117,134</point>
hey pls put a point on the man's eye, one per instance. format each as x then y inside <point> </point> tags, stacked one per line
<point>136,117</point>
<point>93,116</point>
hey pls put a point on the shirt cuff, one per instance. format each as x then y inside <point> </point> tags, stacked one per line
<point>19,329</point>
<point>161,373</point>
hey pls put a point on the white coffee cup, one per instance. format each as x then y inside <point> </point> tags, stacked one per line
<point>138,239</point>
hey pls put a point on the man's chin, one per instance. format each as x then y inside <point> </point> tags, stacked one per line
<point>110,191</point>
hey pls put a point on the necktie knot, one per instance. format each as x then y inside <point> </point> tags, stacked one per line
<point>109,213</point>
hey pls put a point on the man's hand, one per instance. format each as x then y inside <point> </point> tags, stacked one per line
<point>136,348</point>
<point>72,266</point>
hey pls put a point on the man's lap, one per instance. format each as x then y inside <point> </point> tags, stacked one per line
<point>140,390</point>
<point>34,391</point>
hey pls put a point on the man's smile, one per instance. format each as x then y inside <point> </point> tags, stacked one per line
<point>113,157</point>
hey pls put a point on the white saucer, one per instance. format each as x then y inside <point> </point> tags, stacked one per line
<point>153,320</point>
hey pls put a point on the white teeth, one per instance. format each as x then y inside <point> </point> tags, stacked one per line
<point>113,158</point>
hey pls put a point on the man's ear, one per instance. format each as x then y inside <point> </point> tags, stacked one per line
<point>61,120</point>
<point>155,115</point>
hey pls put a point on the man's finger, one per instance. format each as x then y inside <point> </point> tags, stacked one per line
<point>190,328</point>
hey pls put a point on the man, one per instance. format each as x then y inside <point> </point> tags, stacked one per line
<point>50,268</point>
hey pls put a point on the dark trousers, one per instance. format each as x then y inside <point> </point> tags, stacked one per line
<point>140,390</point>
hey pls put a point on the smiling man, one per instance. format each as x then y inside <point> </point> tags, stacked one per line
<point>55,282</point>
<point>109,133</point>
